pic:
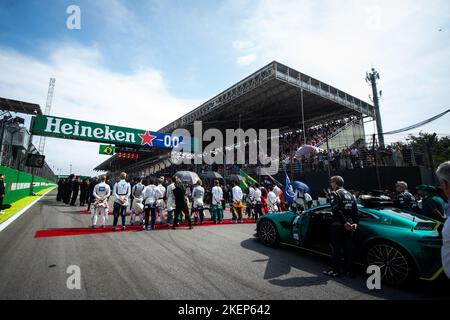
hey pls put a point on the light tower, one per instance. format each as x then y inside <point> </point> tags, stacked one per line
<point>48,106</point>
<point>372,78</point>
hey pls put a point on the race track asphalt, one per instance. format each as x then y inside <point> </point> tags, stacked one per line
<point>215,262</point>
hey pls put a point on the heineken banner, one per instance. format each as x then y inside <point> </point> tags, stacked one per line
<point>57,127</point>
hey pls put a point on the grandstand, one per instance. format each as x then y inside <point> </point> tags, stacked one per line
<point>274,97</point>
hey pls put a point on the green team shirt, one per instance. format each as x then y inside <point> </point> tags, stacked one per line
<point>433,202</point>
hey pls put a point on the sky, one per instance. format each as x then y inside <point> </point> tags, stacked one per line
<point>143,64</point>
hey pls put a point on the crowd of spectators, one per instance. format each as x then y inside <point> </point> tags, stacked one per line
<point>292,140</point>
<point>396,155</point>
<point>356,156</point>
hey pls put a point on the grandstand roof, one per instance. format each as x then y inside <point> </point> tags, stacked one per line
<point>269,98</point>
<point>20,106</point>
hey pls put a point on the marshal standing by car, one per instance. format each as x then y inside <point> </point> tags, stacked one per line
<point>345,223</point>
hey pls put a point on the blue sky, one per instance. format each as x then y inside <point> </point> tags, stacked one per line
<point>185,40</point>
<point>145,63</point>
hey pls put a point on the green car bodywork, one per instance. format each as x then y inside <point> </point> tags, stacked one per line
<point>403,244</point>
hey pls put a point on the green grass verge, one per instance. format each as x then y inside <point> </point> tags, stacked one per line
<point>19,205</point>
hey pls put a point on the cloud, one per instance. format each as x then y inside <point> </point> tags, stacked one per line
<point>241,45</point>
<point>86,90</point>
<point>246,60</point>
<point>338,42</point>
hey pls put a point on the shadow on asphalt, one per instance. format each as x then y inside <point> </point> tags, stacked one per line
<point>280,263</point>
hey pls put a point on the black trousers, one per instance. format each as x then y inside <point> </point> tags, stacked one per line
<point>249,210</point>
<point>178,210</point>
<point>147,211</point>
<point>66,196</point>
<point>258,210</point>
<point>82,198</point>
<point>341,248</point>
<point>200,213</point>
<point>91,200</point>
<point>119,210</point>
<point>131,201</point>
<point>74,197</point>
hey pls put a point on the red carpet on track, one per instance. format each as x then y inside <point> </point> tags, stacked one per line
<point>108,229</point>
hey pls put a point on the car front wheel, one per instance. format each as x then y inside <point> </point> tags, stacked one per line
<point>395,266</point>
<point>268,234</point>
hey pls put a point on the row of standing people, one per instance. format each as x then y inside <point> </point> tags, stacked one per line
<point>150,199</point>
<point>69,189</point>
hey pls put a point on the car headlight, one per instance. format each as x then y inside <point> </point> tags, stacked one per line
<point>427,226</point>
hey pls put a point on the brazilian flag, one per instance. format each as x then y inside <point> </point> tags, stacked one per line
<point>106,149</point>
<point>246,180</point>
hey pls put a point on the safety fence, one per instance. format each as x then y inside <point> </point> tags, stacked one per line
<point>20,184</point>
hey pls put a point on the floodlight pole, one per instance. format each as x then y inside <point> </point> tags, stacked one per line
<point>372,79</point>
<point>377,170</point>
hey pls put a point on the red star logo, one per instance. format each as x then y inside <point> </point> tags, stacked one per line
<point>147,139</point>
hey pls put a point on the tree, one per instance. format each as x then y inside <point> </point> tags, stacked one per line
<point>438,147</point>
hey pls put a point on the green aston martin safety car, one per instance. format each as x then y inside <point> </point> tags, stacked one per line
<point>403,244</point>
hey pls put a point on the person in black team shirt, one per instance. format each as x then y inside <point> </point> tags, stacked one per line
<point>60,189</point>
<point>345,223</point>
<point>404,200</point>
<point>84,186</point>
<point>75,190</point>
<point>180,203</point>
<point>68,189</point>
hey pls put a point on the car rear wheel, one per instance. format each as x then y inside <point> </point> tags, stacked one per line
<point>268,234</point>
<point>395,265</point>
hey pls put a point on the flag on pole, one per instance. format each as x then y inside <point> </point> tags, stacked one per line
<point>288,190</point>
<point>246,180</point>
